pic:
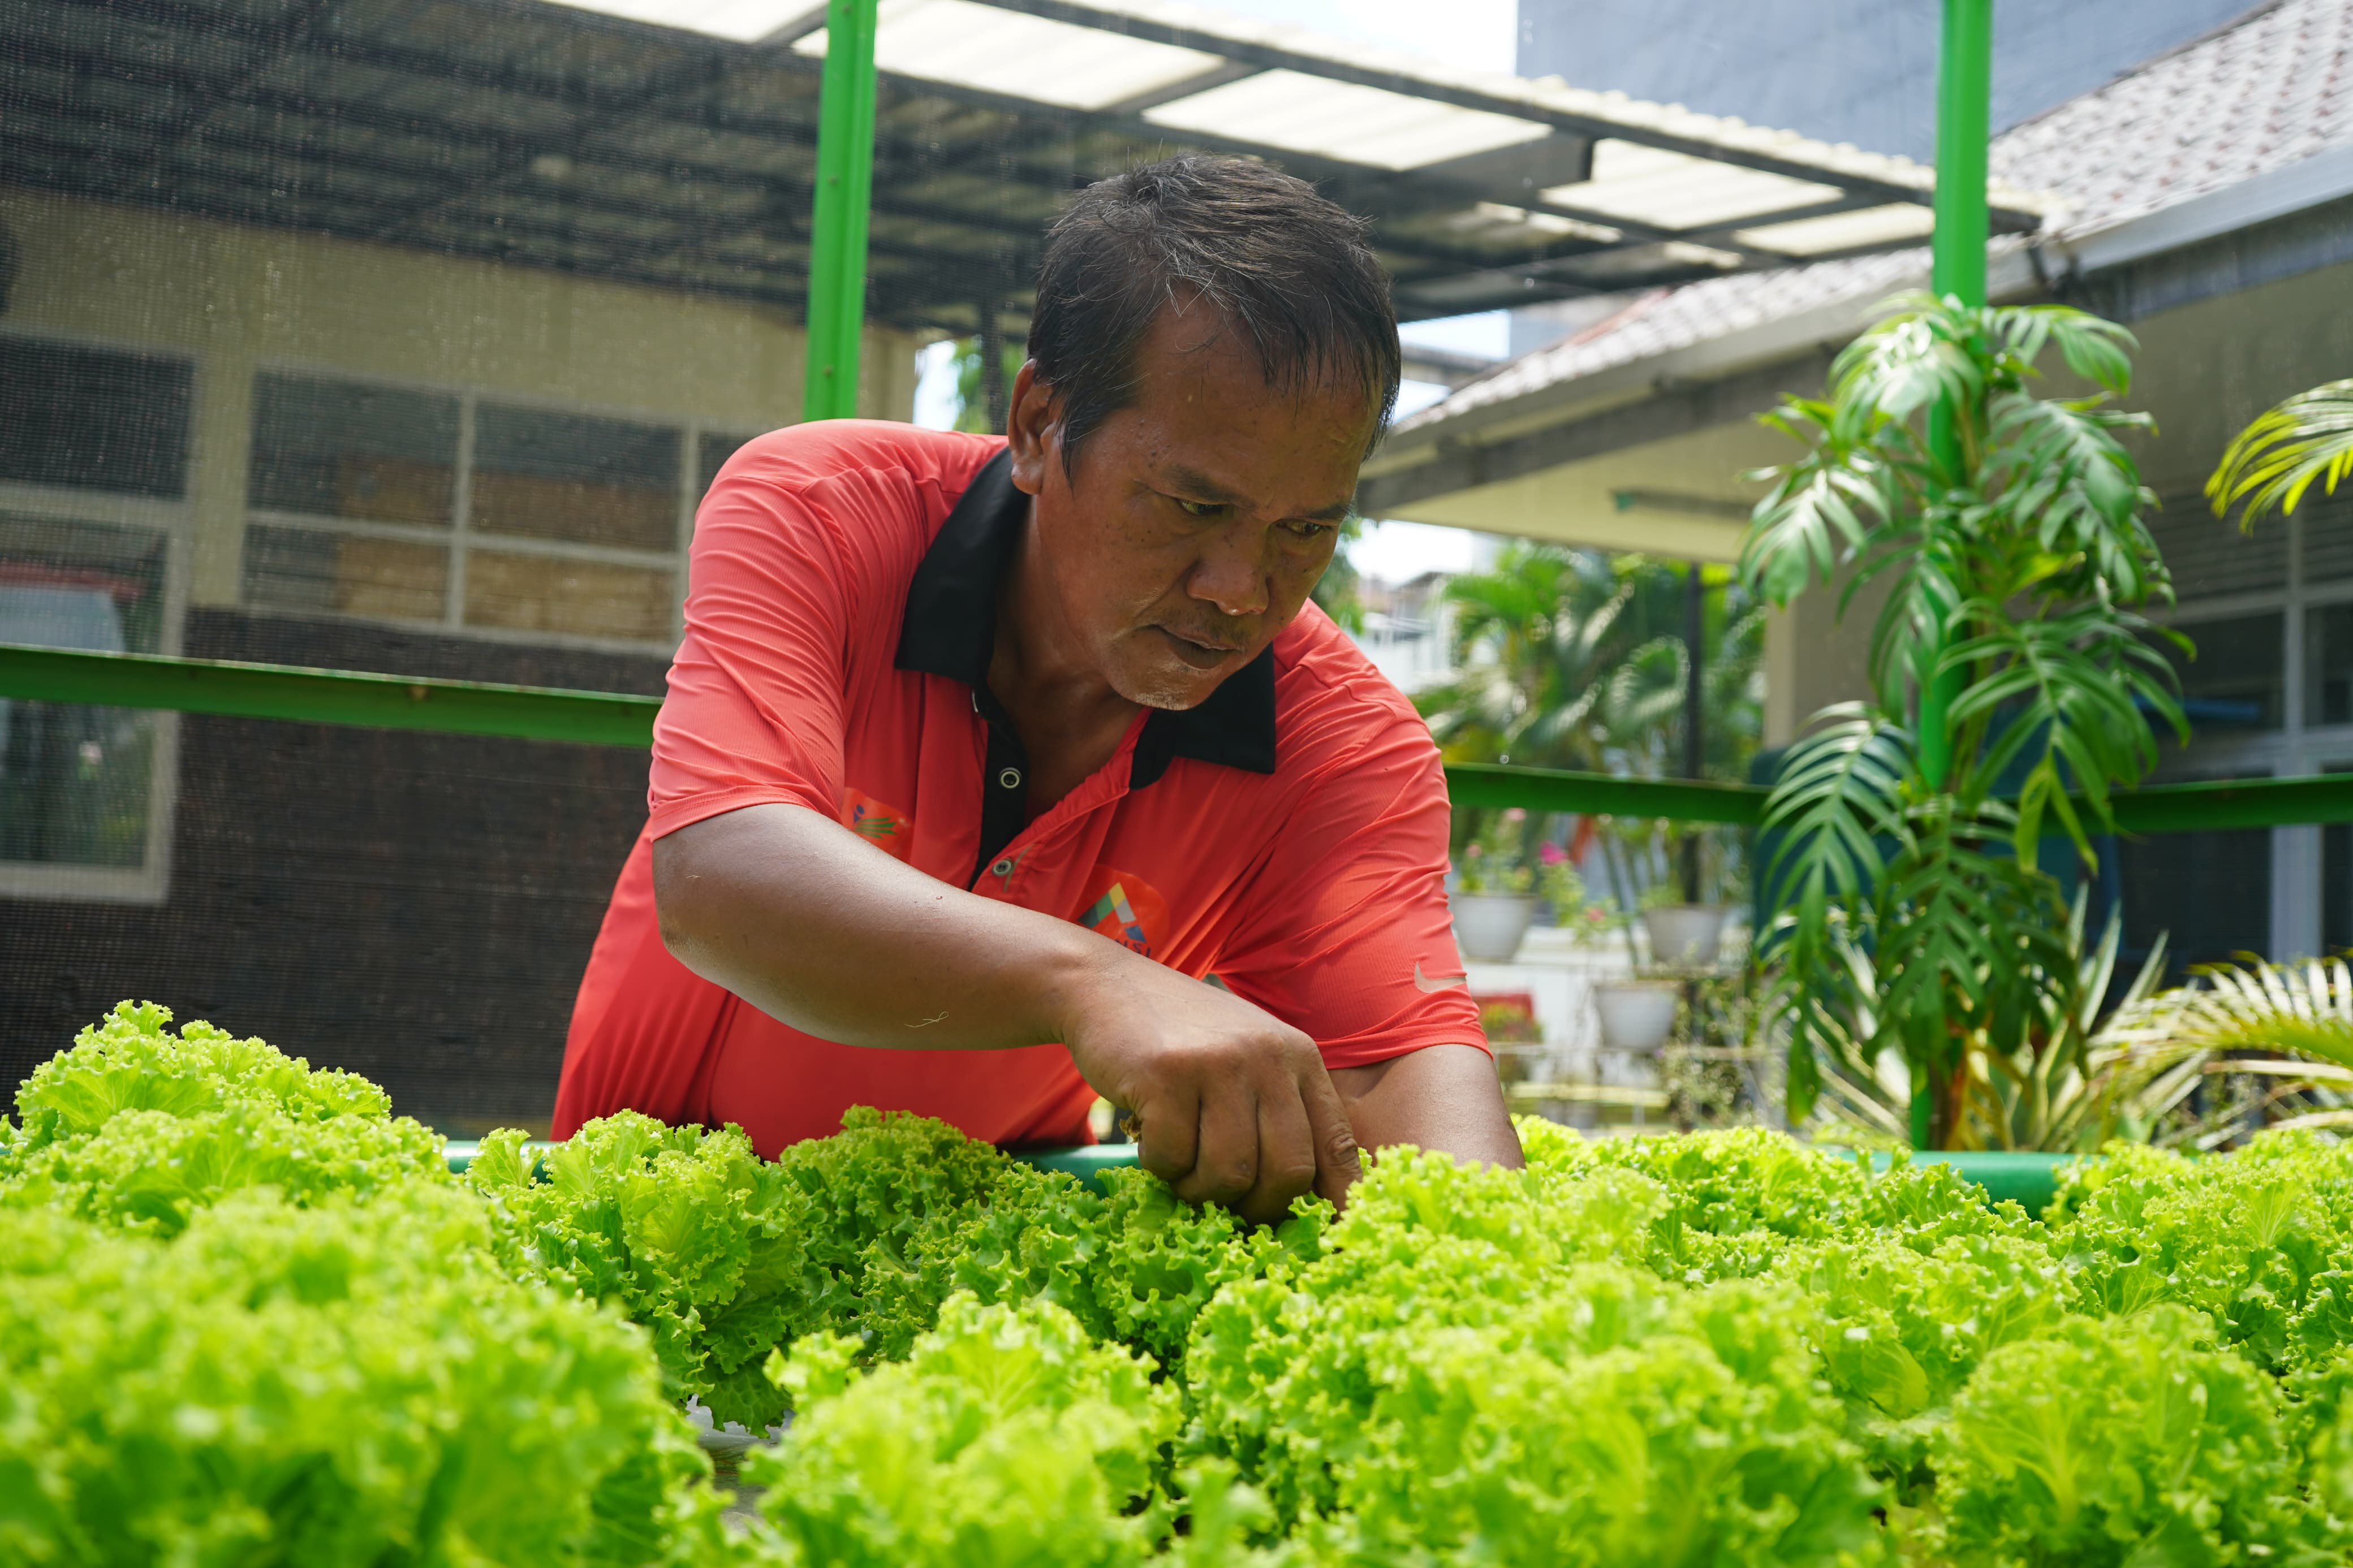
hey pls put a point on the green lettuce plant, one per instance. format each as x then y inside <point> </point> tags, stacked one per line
<point>1003,1437</point>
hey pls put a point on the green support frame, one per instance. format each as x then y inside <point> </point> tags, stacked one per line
<point>614,719</point>
<point>844,185</point>
<point>1956,267</point>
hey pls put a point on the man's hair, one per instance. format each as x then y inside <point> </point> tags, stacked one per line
<point>1287,268</point>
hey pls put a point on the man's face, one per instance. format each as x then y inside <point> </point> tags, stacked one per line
<point>1197,516</point>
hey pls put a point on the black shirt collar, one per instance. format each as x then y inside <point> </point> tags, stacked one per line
<point>950,629</point>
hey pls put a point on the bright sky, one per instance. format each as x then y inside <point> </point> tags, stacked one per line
<point>1469,35</point>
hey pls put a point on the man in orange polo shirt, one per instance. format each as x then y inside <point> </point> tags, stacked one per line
<point>982,755</point>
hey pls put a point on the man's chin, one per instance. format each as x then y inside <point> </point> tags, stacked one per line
<point>1172,686</point>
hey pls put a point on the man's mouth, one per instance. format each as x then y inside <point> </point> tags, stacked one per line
<point>1199,655</point>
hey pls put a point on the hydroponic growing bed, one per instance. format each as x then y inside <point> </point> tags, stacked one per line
<point>249,1317</point>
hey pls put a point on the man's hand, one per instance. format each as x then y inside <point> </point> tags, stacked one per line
<point>789,910</point>
<point>1231,1105</point>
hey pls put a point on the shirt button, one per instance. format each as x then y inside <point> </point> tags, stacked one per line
<point>1002,868</point>
<point>1009,779</point>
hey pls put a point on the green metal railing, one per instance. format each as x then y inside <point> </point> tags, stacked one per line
<point>615,719</point>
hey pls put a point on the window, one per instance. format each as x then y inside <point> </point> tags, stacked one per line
<point>367,453</point>
<point>714,453</point>
<point>84,791</point>
<point>2209,893</point>
<point>2237,679</point>
<point>469,512</point>
<point>93,477</point>
<point>2328,664</point>
<point>77,418</point>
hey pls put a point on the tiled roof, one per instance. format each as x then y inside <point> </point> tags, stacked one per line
<point>2268,90</point>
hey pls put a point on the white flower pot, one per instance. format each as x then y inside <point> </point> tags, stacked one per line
<point>1636,1015</point>
<point>1686,936</point>
<point>1488,927</point>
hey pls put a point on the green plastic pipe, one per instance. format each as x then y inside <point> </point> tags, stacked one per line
<point>2028,1179</point>
<point>845,184</point>
<point>1957,270</point>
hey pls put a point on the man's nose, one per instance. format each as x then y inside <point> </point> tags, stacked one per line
<point>1231,576</point>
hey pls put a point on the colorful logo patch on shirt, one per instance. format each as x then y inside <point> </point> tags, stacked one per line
<point>1123,907</point>
<point>886,827</point>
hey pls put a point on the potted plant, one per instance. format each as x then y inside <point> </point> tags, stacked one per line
<point>1684,917</point>
<point>2014,684</point>
<point>1636,1015</point>
<point>1494,897</point>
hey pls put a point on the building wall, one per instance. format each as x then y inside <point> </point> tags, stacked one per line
<point>417,907</point>
<point>240,297</point>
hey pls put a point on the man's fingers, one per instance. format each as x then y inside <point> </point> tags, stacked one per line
<point>1226,1166</point>
<point>1169,1132</point>
<point>1286,1154</point>
<point>1336,1166</point>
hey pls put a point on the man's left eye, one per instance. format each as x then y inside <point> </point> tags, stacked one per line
<point>1308,531</point>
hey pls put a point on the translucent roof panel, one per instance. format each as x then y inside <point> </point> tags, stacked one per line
<point>1843,231</point>
<point>1020,55</point>
<point>741,21</point>
<point>1677,191</point>
<point>1302,113</point>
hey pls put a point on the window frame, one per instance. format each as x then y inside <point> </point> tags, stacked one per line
<point>2298,748</point>
<point>460,536</point>
<point>174,521</point>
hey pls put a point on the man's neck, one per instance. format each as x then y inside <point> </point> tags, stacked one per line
<point>1068,715</point>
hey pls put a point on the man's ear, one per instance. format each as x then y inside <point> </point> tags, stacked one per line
<point>1033,429</point>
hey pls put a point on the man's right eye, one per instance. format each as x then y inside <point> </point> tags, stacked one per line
<point>1197,508</point>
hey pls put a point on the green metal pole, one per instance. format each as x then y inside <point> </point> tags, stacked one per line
<point>1957,268</point>
<point>844,185</point>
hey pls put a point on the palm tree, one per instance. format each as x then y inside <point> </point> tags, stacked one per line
<point>1534,641</point>
<point>2275,459</point>
<point>1561,666</point>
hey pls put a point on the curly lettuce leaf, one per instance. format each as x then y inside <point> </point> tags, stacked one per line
<point>2122,1440</point>
<point>1005,1437</point>
<point>348,1384</point>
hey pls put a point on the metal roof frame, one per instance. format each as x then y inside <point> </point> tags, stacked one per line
<point>545,135</point>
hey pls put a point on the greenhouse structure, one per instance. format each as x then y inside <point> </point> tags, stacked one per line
<point>618,948</point>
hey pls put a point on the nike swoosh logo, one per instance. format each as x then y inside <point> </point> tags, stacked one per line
<point>1443,982</point>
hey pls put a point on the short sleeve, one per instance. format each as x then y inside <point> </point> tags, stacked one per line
<point>757,692</point>
<point>1346,932</point>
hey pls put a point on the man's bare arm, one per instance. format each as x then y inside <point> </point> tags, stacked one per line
<point>818,928</point>
<point>1443,1097</point>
